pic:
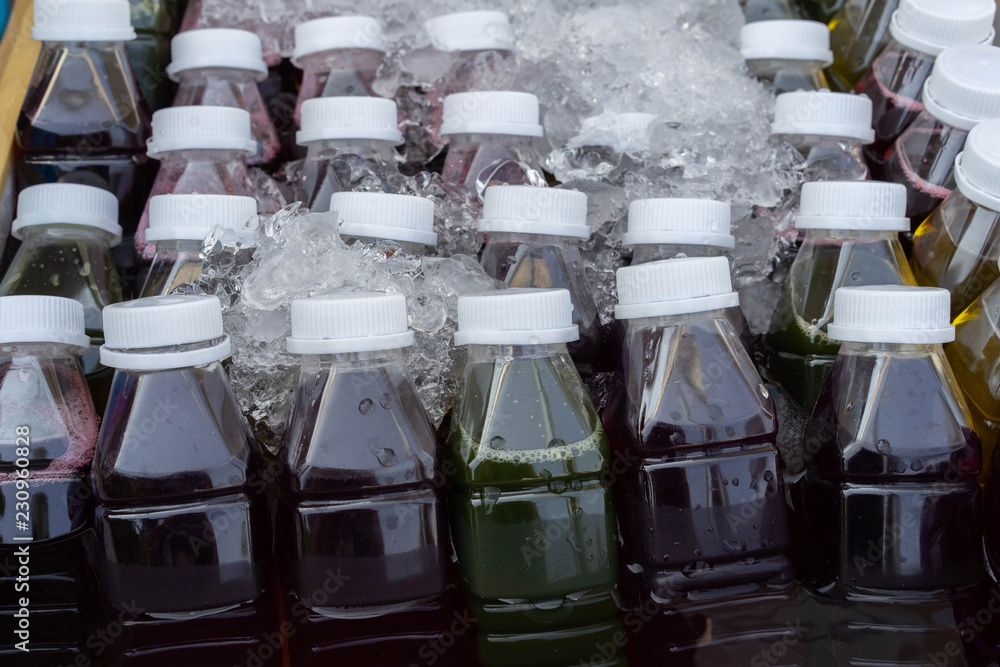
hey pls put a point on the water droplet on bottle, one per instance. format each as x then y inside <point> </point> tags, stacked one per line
<point>725,482</point>
<point>366,407</point>
<point>497,442</point>
<point>556,442</point>
<point>768,476</point>
<point>386,456</point>
<point>714,412</point>
<point>710,530</point>
<point>557,486</point>
<point>734,546</point>
<point>391,521</point>
<point>23,374</point>
<point>675,415</point>
<point>579,512</point>
<point>736,481</point>
<point>677,438</point>
<point>677,544</point>
<point>590,542</point>
<point>545,474</point>
<point>883,447</point>
<point>756,526</point>
<point>489,495</point>
<point>850,405</point>
<point>856,276</point>
<point>697,552</point>
<point>590,558</point>
<point>917,464</point>
<point>385,401</point>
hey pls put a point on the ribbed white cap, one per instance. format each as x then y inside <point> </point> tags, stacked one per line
<point>385,216</point>
<point>189,128</point>
<point>786,40</point>
<point>681,221</point>
<point>674,287</point>
<point>82,20</point>
<point>193,217</point>
<point>351,322</point>
<point>325,118</point>
<point>70,204</point>
<point>977,169</point>
<point>628,132</point>
<point>516,317</point>
<point>964,86</point>
<point>931,26</point>
<point>825,114</point>
<point>471,31</point>
<point>853,205</point>
<point>337,32</point>
<point>892,314</point>
<point>217,48</point>
<point>533,210</point>
<point>43,319</point>
<point>142,334</point>
<point>491,112</point>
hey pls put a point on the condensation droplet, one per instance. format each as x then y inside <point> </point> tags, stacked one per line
<point>856,276</point>
<point>883,447</point>
<point>497,442</point>
<point>386,456</point>
<point>366,407</point>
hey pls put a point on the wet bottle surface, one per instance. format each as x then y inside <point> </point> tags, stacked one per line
<point>789,54</point>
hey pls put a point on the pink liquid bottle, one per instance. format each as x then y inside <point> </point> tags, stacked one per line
<point>491,140</point>
<point>48,429</point>
<point>350,144</point>
<point>361,498</point>
<point>962,90</point>
<point>705,539</point>
<point>919,31</point>
<point>889,500</point>
<point>389,222</point>
<point>788,54</point>
<point>82,120</point>
<point>220,67</point>
<point>183,534</point>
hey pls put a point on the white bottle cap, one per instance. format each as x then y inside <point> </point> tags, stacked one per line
<point>786,40</point>
<point>471,31</point>
<point>350,322</point>
<point>853,206</point>
<point>628,132</point>
<point>82,21</point>
<point>931,26</point>
<point>222,48</point>
<point>674,287</point>
<point>210,128</point>
<point>384,216</point>
<point>193,217</point>
<point>141,335</point>
<point>701,222</point>
<point>516,317</point>
<point>329,118</point>
<point>964,86</point>
<point>530,209</point>
<point>977,168</point>
<point>68,204</point>
<point>491,112</point>
<point>337,32</point>
<point>892,314</point>
<point>825,114</point>
<point>43,319</point>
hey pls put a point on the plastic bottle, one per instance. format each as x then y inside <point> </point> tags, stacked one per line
<point>533,240</point>
<point>701,505</point>
<point>183,535</point>
<point>858,33</point>
<point>889,499</point>
<point>82,120</point>
<point>920,30</point>
<point>958,246</point>
<point>962,91</point>
<point>49,429</point>
<point>221,67</point>
<point>532,515</point>
<point>67,231</point>
<point>386,220</point>
<point>851,240</point>
<point>490,137</point>
<point>155,22</point>
<point>178,227</point>
<point>350,144</point>
<point>790,55</point>
<point>361,490</point>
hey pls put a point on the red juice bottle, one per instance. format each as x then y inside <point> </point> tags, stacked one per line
<point>403,222</point>
<point>48,429</point>
<point>361,493</point>
<point>789,54</point>
<point>183,534</point>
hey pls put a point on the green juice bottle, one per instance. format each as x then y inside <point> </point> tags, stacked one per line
<point>533,517</point>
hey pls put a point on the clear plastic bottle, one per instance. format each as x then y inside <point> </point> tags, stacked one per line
<point>533,240</point>
<point>851,240</point>
<point>532,515</point>
<point>491,140</point>
<point>920,30</point>
<point>858,33</point>
<point>958,246</point>
<point>391,222</point>
<point>788,54</point>
<point>220,67</point>
<point>49,431</point>
<point>350,144</point>
<point>889,499</point>
<point>962,91</point>
<point>155,21</point>
<point>67,232</point>
<point>82,120</point>
<point>701,503</point>
<point>361,491</point>
<point>178,227</point>
<point>183,534</point>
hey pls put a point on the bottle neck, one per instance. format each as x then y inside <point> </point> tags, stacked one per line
<point>179,158</point>
<point>841,234</point>
<point>360,60</point>
<point>11,353</point>
<point>371,149</point>
<point>902,349</point>
<point>193,77</point>
<point>77,46</point>
<point>178,246</point>
<point>350,361</point>
<point>663,321</point>
<point>532,239</point>
<point>652,252</point>
<point>490,353</point>
<point>467,140</point>
<point>768,68</point>
<point>58,232</point>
